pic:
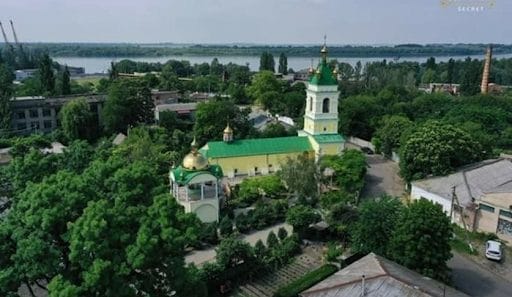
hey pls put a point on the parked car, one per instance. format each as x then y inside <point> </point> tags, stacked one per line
<point>367,150</point>
<point>493,250</point>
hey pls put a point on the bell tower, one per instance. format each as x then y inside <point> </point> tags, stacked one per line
<point>321,115</point>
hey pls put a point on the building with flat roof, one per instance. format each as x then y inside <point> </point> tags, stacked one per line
<point>40,114</point>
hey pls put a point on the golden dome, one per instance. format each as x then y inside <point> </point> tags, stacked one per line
<point>195,161</point>
<point>324,50</point>
<point>228,129</point>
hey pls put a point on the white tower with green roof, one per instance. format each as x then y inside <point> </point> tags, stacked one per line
<point>321,114</point>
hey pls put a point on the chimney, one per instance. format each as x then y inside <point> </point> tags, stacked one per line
<point>484,88</point>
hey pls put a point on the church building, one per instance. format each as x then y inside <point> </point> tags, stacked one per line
<point>265,155</point>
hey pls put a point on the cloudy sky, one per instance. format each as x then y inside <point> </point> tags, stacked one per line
<point>261,21</point>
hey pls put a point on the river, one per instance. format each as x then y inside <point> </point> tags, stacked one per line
<point>102,64</point>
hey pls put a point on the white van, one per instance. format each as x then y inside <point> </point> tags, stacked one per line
<point>493,250</point>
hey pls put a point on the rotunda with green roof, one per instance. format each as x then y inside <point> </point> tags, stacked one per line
<point>197,186</point>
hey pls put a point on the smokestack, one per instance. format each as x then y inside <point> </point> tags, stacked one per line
<point>484,87</point>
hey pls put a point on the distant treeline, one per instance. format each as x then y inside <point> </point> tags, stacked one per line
<point>155,50</point>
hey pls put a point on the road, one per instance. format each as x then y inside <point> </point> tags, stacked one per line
<point>474,280</point>
<point>382,178</point>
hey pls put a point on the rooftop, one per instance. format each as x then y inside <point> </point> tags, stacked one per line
<point>328,138</point>
<point>472,181</point>
<point>383,278</point>
<point>260,146</point>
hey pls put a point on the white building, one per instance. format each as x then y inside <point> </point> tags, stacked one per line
<point>483,194</point>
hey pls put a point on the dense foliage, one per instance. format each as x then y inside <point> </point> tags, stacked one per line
<point>306,281</point>
<point>156,50</point>
<point>421,239</point>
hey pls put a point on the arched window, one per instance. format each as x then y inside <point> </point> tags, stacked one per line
<point>325,105</point>
<point>310,103</point>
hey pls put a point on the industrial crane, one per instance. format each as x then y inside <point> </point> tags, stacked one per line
<point>7,43</point>
<point>15,37</point>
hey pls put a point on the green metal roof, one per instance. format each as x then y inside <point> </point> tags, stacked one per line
<point>329,138</point>
<point>260,146</point>
<point>323,75</point>
<point>183,176</point>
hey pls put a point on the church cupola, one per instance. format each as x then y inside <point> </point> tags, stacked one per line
<point>228,134</point>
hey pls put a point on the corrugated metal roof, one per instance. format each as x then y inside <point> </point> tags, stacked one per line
<point>472,181</point>
<point>383,278</point>
<point>252,147</point>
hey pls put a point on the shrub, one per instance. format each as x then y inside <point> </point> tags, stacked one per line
<point>308,280</point>
<point>282,233</point>
<point>272,240</point>
<point>209,233</point>
<point>333,252</point>
<point>243,223</point>
<point>225,227</point>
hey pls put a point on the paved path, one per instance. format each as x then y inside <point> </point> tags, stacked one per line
<point>475,280</point>
<point>382,178</point>
<point>202,256</point>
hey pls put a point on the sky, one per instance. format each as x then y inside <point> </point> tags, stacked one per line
<point>260,21</point>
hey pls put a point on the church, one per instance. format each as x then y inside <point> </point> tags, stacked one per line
<point>263,156</point>
<point>197,182</point>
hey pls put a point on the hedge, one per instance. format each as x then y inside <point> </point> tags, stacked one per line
<point>306,281</point>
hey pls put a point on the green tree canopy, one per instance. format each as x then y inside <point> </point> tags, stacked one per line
<point>421,239</point>
<point>262,83</point>
<point>6,91</point>
<point>267,62</point>
<point>300,176</point>
<point>375,225</point>
<point>300,217</point>
<point>46,75</point>
<point>437,148</point>
<point>213,116</point>
<point>389,133</point>
<point>128,103</point>
<point>283,64</point>
<point>77,120</point>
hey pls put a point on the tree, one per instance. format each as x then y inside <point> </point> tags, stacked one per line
<point>421,239</point>
<point>437,148</point>
<point>349,170</point>
<point>6,91</point>
<point>450,71</point>
<point>232,252</point>
<point>390,132</point>
<point>283,64</point>
<point>264,82</point>
<point>46,76</point>
<point>471,77</point>
<point>300,176</point>
<point>272,241</point>
<point>267,62</point>
<point>300,217</point>
<point>375,225</point>
<point>260,251</point>
<point>128,103</point>
<point>226,226</point>
<point>66,84</point>
<point>212,117</point>
<point>282,233</point>
<point>77,119</point>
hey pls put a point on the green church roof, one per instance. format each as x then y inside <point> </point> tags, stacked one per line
<point>260,146</point>
<point>183,176</point>
<point>323,75</point>
<point>329,138</point>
